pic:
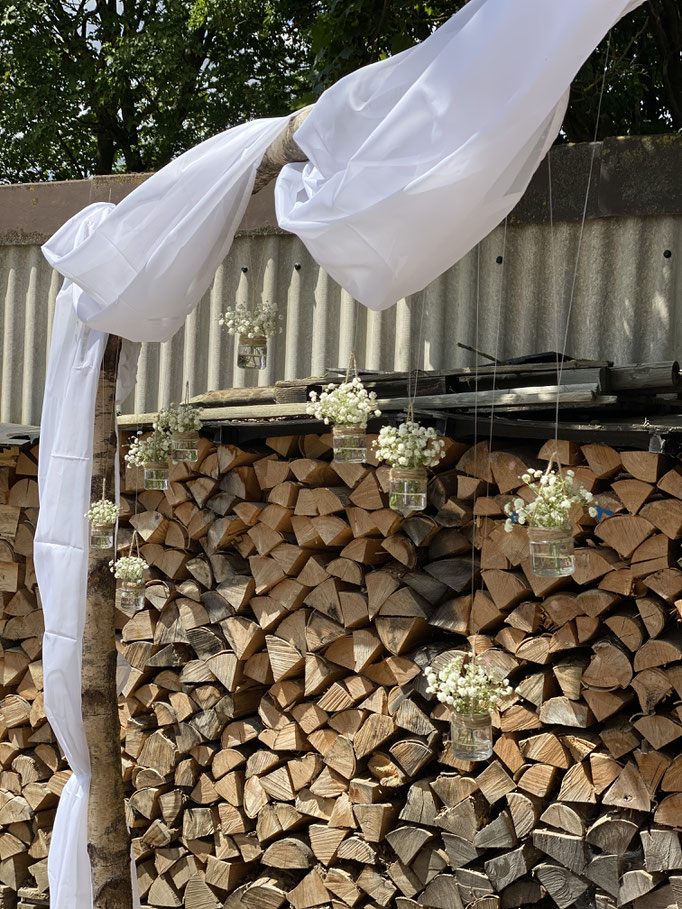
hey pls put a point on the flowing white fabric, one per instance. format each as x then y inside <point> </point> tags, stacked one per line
<point>188,214</point>
<point>60,555</point>
<point>153,257</point>
<point>412,161</point>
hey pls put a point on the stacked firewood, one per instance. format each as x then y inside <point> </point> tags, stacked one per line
<point>279,745</point>
<point>32,770</point>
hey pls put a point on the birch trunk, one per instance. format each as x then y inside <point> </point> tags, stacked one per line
<point>284,150</point>
<point>108,837</point>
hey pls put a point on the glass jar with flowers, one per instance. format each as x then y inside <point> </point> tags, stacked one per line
<point>472,690</point>
<point>253,327</point>
<point>547,517</point>
<point>184,425</point>
<point>347,407</point>
<point>129,570</point>
<point>152,452</point>
<point>409,449</point>
<point>102,516</point>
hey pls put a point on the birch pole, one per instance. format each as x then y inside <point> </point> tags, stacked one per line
<point>108,836</point>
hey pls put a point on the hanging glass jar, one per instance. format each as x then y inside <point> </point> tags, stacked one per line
<point>102,536</point>
<point>102,516</point>
<point>252,353</point>
<point>407,489</point>
<point>350,444</point>
<point>551,551</point>
<point>471,736</point>
<point>156,475</point>
<point>132,595</point>
<point>185,446</point>
<point>129,570</point>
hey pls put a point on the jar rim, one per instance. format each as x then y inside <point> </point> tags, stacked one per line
<point>476,719</point>
<point>555,533</point>
<point>407,473</point>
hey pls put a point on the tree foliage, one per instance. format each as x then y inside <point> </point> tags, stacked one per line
<point>102,86</point>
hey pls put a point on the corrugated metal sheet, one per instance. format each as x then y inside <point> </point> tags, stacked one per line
<point>508,297</point>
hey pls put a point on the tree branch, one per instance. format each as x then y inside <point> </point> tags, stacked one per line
<point>284,150</point>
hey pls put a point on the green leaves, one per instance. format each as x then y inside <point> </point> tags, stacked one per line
<point>125,85</point>
<point>98,88</point>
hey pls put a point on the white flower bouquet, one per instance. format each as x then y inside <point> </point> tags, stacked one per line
<point>103,513</point>
<point>467,686</point>
<point>154,449</point>
<point>409,446</point>
<point>262,322</point>
<point>409,449</point>
<point>347,404</point>
<point>181,418</point>
<point>129,569</point>
<point>183,423</point>
<point>555,495</point>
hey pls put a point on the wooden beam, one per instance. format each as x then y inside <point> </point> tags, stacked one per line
<point>573,394</point>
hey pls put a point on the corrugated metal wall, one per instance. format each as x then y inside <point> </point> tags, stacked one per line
<point>626,308</point>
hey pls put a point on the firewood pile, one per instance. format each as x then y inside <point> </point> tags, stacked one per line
<point>279,746</point>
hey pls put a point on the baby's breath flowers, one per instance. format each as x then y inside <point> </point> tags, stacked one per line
<point>103,513</point>
<point>555,495</point>
<point>262,322</point>
<point>409,446</point>
<point>467,686</point>
<point>129,568</point>
<point>181,418</point>
<point>154,449</point>
<point>347,404</point>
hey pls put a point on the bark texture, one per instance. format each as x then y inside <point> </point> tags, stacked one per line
<point>108,837</point>
<point>284,150</point>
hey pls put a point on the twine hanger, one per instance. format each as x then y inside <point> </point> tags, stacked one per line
<point>134,541</point>
<point>352,364</point>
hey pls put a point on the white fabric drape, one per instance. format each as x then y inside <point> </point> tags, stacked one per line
<point>154,256</point>
<point>412,161</point>
<point>60,555</point>
<point>135,294</point>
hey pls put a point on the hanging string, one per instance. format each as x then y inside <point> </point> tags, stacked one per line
<point>476,380</point>
<point>412,390</point>
<point>134,541</point>
<point>352,364</point>
<point>561,357</point>
<point>497,342</point>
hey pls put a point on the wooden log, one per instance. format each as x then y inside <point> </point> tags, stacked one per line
<point>108,838</point>
<point>564,887</point>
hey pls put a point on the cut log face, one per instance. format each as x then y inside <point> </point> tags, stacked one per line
<point>279,745</point>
